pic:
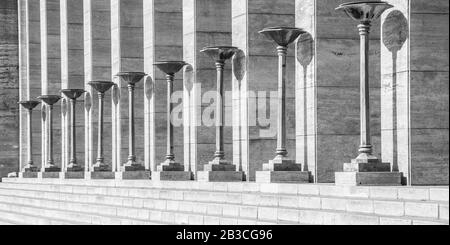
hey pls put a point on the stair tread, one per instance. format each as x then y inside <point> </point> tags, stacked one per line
<point>233,217</point>
<point>15,222</point>
<point>244,193</point>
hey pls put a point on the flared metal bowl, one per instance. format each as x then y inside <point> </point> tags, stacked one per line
<point>131,77</point>
<point>220,53</point>
<point>29,104</point>
<point>364,11</point>
<point>73,94</point>
<point>283,36</point>
<point>49,99</point>
<point>170,67</point>
<point>101,86</point>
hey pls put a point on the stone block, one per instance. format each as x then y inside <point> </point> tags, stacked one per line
<point>220,176</point>
<point>426,210</point>
<point>267,213</point>
<point>290,215</point>
<point>394,221</point>
<point>389,208</point>
<point>439,194</point>
<point>419,194</point>
<point>100,175</point>
<point>360,206</point>
<point>72,175</point>
<point>28,175</point>
<point>48,175</point>
<point>309,202</point>
<point>282,177</point>
<point>334,204</point>
<point>172,176</point>
<point>443,212</point>
<point>368,179</point>
<point>133,175</point>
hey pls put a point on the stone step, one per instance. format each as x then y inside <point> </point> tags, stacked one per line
<point>10,217</point>
<point>7,222</point>
<point>109,214</point>
<point>54,216</point>
<point>172,199</point>
<point>175,212</point>
<point>439,194</point>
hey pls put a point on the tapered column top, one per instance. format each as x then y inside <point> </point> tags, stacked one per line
<point>131,77</point>
<point>170,67</point>
<point>283,36</point>
<point>50,99</point>
<point>73,94</point>
<point>101,86</point>
<point>364,12</point>
<point>30,104</point>
<point>220,53</point>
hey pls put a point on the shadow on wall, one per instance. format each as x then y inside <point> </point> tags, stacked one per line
<point>305,55</point>
<point>395,34</point>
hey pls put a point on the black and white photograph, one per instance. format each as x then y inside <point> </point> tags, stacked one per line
<point>208,114</point>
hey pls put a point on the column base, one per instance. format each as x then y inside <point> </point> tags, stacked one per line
<point>283,177</point>
<point>368,178</point>
<point>282,164</point>
<point>99,175</point>
<point>74,169</point>
<point>101,168</point>
<point>132,168</point>
<point>172,176</point>
<point>219,165</point>
<point>367,165</point>
<point>51,169</point>
<point>30,168</point>
<point>133,175</point>
<point>28,175</point>
<point>220,176</point>
<point>48,175</point>
<point>72,175</point>
<point>170,166</point>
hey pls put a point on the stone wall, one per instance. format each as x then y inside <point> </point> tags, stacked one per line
<point>9,87</point>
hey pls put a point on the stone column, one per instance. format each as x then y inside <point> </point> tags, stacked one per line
<point>414,94</point>
<point>163,40</point>
<point>205,23</point>
<point>31,57</point>
<point>51,68</point>
<point>257,75</point>
<point>127,53</point>
<point>23,86</point>
<point>327,88</point>
<point>97,67</point>
<point>72,70</point>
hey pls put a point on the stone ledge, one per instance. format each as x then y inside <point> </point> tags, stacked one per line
<point>133,175</point>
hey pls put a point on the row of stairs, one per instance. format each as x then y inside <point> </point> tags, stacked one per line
<point>105,202</point>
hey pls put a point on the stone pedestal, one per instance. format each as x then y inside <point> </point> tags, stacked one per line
<point>172,176</point>
<point>282,171</point>
<point>133,175</point>
<point>49,175</point>
<point>283,177</point>
<point>72,175</point>
<point>99,175</point>
<point>28,175</point>
<point>220,176</point>
<point>368,179</point>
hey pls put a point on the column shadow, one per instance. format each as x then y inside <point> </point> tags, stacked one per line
<point>395,33</point>
<point>305,54</point>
